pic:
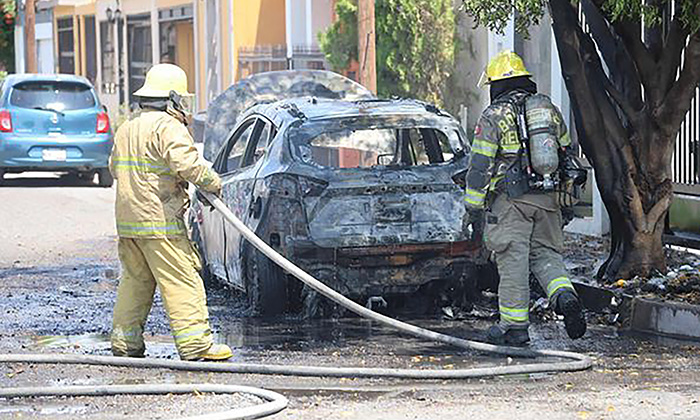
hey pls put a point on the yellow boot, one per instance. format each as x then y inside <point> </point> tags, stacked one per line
<point>216,352</point>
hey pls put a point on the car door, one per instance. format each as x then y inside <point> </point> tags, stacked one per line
<point>258,151</point>
<point>238,189</point>
<point>212,225</point>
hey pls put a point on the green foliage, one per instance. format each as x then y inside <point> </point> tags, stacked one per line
<point>690,15</point>
<point>8,14</point>
<point>494,14</point>
<point>414,41</point>
<point>339,42</point>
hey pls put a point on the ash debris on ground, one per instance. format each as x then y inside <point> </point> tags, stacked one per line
<point>680,282</point>
<point>583,256</point>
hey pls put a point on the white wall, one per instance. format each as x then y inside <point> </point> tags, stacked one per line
<point>19,49</point>
<point>500,42</point>
<point>44,48</point>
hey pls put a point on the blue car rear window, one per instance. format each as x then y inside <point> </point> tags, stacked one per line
<point>60,96</point>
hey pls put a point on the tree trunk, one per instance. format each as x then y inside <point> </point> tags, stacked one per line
<point>622,136</point>
<point>637,202</point>
<point>634,250</point>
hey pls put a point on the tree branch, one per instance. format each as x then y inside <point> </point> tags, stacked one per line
<point>620,99</point>
<point>601,133</point>
<point>630,32</point>
<point>631,35</point>
<point>623,73</point>
<point>653,35</point>
<point>671,57</point>
<point>677,102</point>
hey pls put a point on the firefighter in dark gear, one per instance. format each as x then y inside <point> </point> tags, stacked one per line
<point>153,159</point>
<point>523,218</point>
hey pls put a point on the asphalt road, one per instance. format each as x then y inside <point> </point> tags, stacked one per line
<point>58,276</point>
<point>46,218</point>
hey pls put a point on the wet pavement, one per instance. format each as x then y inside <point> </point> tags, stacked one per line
<point>52,303</point>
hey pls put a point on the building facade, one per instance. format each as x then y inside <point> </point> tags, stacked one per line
<point>114,42</point>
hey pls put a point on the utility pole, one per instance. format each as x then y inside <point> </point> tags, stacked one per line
<point>366,44</point>
<point>29,37</point>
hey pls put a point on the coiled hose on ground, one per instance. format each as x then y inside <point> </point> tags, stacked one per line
<point>276,402</point>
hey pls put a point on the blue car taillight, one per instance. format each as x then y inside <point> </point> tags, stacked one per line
<point>5,121</point>
<point>102,123</point>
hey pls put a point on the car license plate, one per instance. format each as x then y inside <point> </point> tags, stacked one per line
<point>54,155</point>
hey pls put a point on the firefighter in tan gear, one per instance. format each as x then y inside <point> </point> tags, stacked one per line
<point>153,160</point>
<point>520,145</point>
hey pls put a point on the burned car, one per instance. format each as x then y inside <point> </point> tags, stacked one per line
<point>364,195</point>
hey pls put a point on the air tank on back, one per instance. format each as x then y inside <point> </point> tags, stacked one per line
<point>543,126</point>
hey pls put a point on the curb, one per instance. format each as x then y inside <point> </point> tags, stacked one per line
<point>669,319</point>
<point>675,320</point>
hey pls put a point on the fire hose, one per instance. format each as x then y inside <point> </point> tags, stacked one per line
<point>275,402</point>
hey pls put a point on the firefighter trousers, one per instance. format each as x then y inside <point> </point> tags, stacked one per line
<point>172,264</point>
<point>525,235</point>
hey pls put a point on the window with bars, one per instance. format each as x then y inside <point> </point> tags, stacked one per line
<point>90,49</point>
<point>109,79</point>
<point>66,47</point>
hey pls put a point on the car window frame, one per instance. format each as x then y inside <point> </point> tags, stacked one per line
<point>405,153</point>
<point>229,143</point>
<point>450,128</point>
<point>249,155</point>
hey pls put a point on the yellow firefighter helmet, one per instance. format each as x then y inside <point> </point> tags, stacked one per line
<point>161,79</point>
<point>505,65</point>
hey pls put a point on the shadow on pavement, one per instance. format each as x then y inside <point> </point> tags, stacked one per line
<point>46,180</point>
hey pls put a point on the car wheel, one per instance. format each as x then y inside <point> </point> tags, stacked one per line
<point>266,284</point>
<point>104,178</point>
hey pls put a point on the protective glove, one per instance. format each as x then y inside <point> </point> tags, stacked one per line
<point>474,218</point>
<point>202,199</point>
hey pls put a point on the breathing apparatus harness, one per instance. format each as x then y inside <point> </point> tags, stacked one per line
<point>553,169</point>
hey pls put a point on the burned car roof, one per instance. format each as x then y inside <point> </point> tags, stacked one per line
<point>318,109</point>
<point>268,87</point>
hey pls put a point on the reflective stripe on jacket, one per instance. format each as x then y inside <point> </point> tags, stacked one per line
<point>152,160</point>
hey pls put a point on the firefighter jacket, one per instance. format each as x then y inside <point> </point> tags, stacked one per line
<point>152,160</point>
<point>496,147</point>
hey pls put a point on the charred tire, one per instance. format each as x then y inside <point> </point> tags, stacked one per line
<point>266,284</point>
<point>104,178</point>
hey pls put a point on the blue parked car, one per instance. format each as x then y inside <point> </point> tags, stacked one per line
<point>53,122</point>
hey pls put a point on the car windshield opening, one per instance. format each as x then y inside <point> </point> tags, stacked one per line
<point>52,95</point>
<point>364,148</point>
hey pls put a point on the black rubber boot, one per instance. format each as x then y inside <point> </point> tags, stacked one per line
<point>574,320</point>
<point>507,337</point>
